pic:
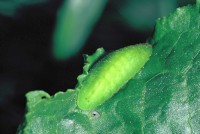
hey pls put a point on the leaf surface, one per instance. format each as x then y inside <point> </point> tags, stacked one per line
<point>162,98</point>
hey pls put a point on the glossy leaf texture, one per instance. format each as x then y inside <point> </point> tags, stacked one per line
<point>75,21</point>
<point>162,98</point>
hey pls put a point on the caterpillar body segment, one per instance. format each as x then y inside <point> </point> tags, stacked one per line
<point>111,73</point>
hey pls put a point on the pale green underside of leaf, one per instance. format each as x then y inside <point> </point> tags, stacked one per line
<point>162,99</point>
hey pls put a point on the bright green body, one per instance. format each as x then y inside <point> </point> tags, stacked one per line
<point>111,73</point>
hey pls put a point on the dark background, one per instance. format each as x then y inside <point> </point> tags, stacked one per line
<point>26,61</point>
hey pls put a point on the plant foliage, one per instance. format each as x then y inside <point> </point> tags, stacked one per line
<point>162,98</point>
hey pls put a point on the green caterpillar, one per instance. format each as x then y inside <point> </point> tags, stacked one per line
<point>111,73</point>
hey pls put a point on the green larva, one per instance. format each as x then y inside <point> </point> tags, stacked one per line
<point>111,73</point>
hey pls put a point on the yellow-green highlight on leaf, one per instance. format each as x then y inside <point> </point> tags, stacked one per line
<point>75,21</point>
<point>111,73</point>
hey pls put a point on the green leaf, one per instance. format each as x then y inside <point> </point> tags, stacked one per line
<point>75,21</point>
<point>162,98</point>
